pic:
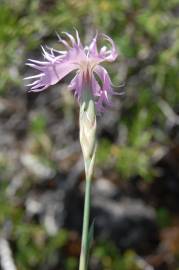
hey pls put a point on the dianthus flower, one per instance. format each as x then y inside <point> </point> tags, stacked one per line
<point>85,61</point>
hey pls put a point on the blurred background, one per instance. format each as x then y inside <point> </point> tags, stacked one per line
<point>135,196</point>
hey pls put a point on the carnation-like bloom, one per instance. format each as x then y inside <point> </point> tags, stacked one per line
<point>85,61</point>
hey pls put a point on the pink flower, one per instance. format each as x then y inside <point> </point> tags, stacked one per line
<point>85,61</point>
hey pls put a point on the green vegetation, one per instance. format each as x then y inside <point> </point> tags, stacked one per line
<point>146,120</point>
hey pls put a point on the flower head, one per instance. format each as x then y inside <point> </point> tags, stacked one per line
<point>85,61</point>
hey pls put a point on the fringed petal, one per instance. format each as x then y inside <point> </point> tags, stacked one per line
<point>111,54</point>
<point>50,73</point>
<point>104,54</point>
<point>105,79</point>
<point>106,91</point>
<point>85,60</point>
<point>76,85</point>
<point>56,68</point>
<point>92,49</point>
<point>96,88</point>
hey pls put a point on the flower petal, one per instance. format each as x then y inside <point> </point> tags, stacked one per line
<point>96,88</point>
<point>85,60</point>
<point>57,67</point>
<point>50,74</point>
<point>92,49</point>
<point>71,38</point>
<point>105,79</point>
<point>104,54</point>
<point>76,85</point>
<point>105,92</point>
<point>111,54</point>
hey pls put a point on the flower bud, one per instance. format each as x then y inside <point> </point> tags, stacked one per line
<point>87,121</point>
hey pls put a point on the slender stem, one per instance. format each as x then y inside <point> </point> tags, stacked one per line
<point>84,244</point>
<point>87,123</point>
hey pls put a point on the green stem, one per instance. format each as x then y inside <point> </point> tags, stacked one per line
<point>85,233</point>
<point>87,123</point>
